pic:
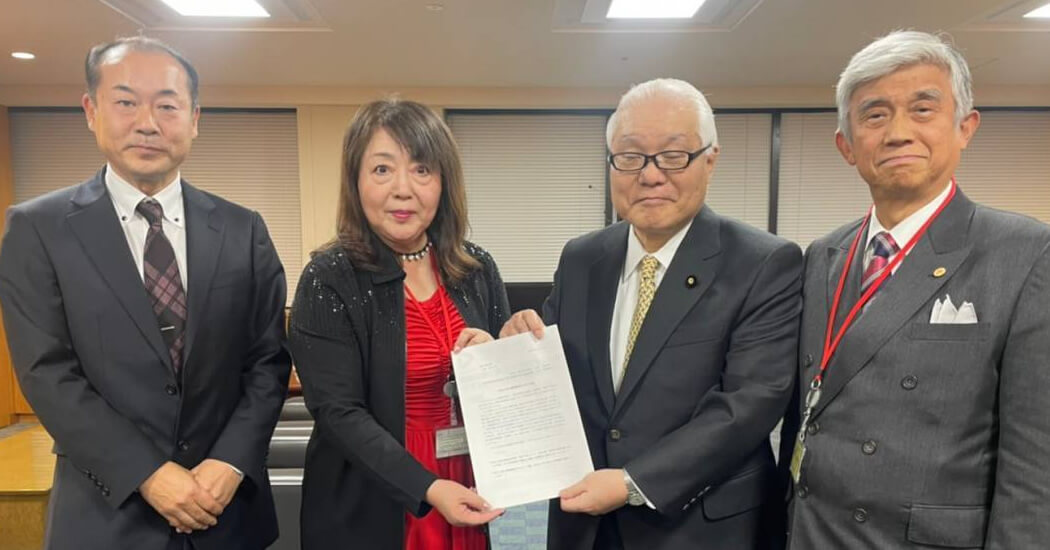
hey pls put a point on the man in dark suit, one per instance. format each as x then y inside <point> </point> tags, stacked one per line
<point>926,424</point>
<point>145,320</point>
<point>679,327</point>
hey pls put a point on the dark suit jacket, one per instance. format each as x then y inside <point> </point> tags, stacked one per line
<point>931,435</point>
<point>90,358</point>
<point>710,376</point>
<point>347,334</point>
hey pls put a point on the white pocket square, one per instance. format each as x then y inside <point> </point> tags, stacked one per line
<point>945,313</point>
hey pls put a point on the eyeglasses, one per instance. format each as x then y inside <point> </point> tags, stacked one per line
<point>664,160</point>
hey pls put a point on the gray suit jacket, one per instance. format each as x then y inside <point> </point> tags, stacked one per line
<point>931,435</point>
<point>710,375</point>
<point>90,358</point>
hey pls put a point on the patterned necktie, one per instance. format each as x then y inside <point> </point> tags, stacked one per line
<point>646,291</point>
<point>883,248</point>
<point>163,283</point>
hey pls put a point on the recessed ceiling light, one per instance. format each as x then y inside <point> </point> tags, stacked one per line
<point>22,55</point>
<point>435,7</point>
<point>218,8</point>
<point>653,9</point>
<point>1039,13</point>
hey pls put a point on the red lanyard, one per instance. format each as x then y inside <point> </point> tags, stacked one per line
<point>830,345</point>
<point>446,345</point>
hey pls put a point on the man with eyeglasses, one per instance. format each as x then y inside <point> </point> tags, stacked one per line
<point>680,328</point>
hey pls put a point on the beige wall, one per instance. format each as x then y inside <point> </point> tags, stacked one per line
<point>321,130</point>
<point>506,98</point>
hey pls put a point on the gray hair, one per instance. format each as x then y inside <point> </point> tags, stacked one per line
<point>117,49</point>
<point>667,87</point>
<point>895,51</point>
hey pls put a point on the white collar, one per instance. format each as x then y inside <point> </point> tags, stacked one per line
<point>635,250</point>
<point>908,227</point>
<point>126,198</point>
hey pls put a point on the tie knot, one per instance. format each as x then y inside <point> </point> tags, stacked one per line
<point>883,245</point>
<point>151,210</point>
<point>648,269</point>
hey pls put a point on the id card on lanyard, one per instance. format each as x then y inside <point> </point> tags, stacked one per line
<point>451,441</point>
<point>833,338</point>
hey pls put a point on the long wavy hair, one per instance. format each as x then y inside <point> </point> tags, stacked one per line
<point>428,141</point>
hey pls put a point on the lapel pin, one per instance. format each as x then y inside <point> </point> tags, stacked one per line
<point>690,281</point>
<point>939,272</point>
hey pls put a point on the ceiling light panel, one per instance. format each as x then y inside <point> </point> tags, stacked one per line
<point>653,9</point>
<point>217,8</point>
<point>1039,13</point>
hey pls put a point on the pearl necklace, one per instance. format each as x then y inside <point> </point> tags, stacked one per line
<point>417,255</point>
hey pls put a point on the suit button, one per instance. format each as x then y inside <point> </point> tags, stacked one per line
<point>869,447</point>
<point>860,515</point>
<point>909,382</point>
<point>99,484</point>
<point>802,491</point>
<point>615,434</point>
<point>184,446</point>
<point>92,477</point>
<point>807,361</point>
<point>170,389</point>
<point>105,491</point>
<point>813,428</point>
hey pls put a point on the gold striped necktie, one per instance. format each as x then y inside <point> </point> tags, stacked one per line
<point>646,291</point>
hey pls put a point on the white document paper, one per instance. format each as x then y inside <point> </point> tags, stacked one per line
<point>523,425</point>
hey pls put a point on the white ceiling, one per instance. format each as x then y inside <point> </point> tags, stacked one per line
<point>516,43</point>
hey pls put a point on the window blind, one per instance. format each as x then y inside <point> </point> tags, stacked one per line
<point>248,157</point>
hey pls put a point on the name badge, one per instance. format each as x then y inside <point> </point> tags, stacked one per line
<point>451,442</point>
<point>796,460</point>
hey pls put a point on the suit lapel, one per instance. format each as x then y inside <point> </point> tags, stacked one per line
<point>697,257</point>
<point>604,279</point>
<point>837,255</point>
<point>204,232</point>
<point>94,224</point>
<point>946,245</point>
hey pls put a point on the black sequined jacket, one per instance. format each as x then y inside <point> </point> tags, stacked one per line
<point>347,336</point>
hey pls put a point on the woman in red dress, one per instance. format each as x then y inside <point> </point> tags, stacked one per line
<point>376,318</point>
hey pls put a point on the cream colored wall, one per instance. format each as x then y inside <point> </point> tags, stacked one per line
<point>321,130</point>
<point>504,98</point>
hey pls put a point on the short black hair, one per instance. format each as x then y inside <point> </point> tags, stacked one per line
<point>98,54</point>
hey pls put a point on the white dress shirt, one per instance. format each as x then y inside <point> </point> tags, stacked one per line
<point>126,198</point>
<point>906,229</point>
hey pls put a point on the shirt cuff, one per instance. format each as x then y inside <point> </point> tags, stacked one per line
<point>234,468</point>
<point>630,481</point>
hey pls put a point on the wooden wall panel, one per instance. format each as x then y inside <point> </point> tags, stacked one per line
<point>8,386</point>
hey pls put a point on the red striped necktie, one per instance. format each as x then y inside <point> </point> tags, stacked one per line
<point>883,248</point>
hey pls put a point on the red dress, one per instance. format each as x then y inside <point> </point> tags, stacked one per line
<point>427,409</point>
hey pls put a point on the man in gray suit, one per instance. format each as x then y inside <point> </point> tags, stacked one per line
<point>923,414</point>
<point>145,320</point>
<point>680,329</point>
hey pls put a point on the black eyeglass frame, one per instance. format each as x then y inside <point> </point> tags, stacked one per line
<point>690,157</point>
